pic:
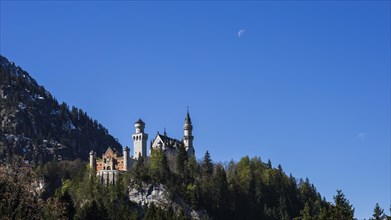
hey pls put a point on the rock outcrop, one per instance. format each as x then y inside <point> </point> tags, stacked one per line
<point>147,194</point>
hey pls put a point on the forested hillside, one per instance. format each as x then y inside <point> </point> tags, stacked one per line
<point>34,125</point>
<point>248,189</point>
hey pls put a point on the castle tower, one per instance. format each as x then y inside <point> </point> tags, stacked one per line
<point>140,140</point>
<point>92,160</point>
<point>126,158</point>
<point>188,134</point>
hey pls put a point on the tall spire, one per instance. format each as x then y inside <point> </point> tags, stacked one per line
<point>187,132</point>
<point>188,120</point>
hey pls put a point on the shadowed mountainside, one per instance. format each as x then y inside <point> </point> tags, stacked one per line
<point>34,125</point>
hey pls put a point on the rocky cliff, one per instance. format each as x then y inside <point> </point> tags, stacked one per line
<point>158,195</point>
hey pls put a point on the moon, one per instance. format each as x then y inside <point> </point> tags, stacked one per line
<point>241,32</point>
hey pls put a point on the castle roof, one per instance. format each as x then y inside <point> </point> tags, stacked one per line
<point>187,119</point>
<point>139,121</point>
<point>110,149</point>
<point>168,141</point>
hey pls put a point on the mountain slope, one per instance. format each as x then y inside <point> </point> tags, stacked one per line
<point>34,125</point>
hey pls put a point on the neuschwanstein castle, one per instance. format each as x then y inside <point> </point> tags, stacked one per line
<point>111,164</point>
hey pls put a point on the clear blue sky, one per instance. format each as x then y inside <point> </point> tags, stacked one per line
<point>307,84</point>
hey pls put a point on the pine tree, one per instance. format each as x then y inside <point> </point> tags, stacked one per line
<point>324,214</point>
<point>180,160</point>
<point>378,213</point>
<point>192,168</point>
<point>269,164</point>
<point>342,210</point>
<point>140,170</point>
<point>305,213</point>
<point>165,169</point>
<point>221,192</point>
<point>159,166</point>
<point>75,115</point>
<point>207,165</point>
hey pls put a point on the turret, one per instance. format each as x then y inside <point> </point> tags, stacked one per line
<point>140,140</point>
<point>126,158</point>
<point>92,160</point>
<point>188,134</point>
<point>139,125</point>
